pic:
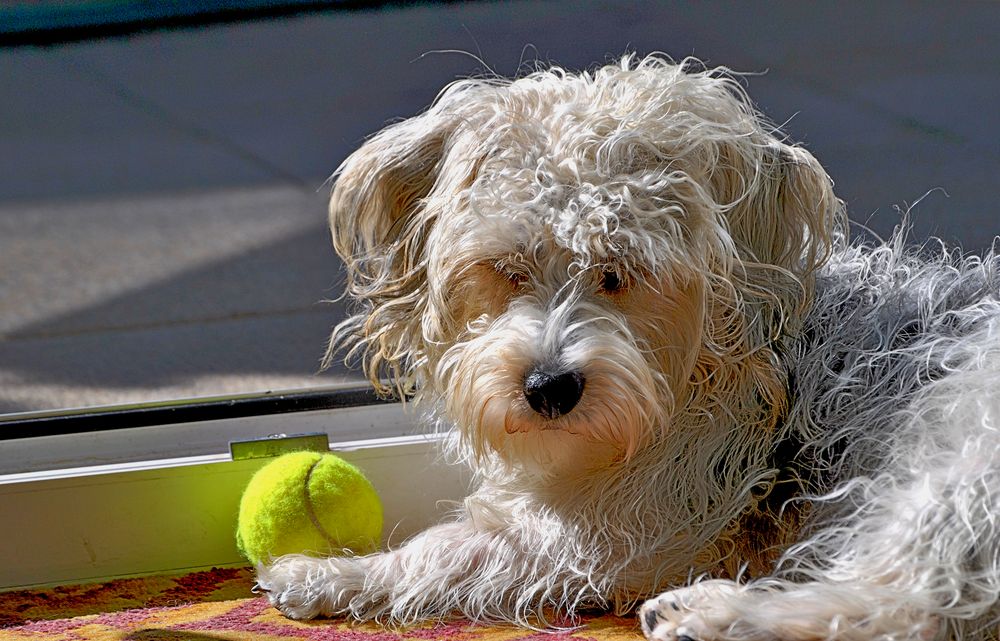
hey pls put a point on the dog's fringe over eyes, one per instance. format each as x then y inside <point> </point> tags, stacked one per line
<point>673,159</point>
<point>634,306</point>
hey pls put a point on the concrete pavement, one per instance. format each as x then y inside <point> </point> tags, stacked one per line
<point>161,202</point>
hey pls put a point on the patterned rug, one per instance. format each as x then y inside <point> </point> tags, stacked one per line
<point>216,605</point>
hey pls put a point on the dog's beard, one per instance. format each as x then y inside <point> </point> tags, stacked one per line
<point>481,383</point>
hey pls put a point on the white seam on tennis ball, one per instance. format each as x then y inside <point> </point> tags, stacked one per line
<point>309,506</point>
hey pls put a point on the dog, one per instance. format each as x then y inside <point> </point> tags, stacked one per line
<point>634,305</point>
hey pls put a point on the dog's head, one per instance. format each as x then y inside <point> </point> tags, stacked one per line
<point>577,265</point>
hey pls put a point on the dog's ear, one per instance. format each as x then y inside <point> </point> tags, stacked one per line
<point>789,216</point>
<point>379,189</point>
<point>380,221</point>
<point>784,222</point>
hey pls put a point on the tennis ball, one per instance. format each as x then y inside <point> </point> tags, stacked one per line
<point>308,503</point>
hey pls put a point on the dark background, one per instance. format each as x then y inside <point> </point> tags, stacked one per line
<point>162,216</point>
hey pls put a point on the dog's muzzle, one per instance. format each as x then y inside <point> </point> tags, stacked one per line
<point>553,395</point>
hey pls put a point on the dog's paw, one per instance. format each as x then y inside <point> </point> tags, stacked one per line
<point>695,613</point>
<point>300,587</point>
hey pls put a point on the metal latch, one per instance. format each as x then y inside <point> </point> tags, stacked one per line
<point>278,444</point>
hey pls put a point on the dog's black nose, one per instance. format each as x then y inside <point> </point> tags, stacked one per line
<point>553,395</point>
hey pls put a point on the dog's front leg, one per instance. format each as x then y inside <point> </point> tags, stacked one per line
<point>417,581</point>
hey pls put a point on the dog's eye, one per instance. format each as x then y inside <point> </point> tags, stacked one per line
<point>515,276</point>
<point>610,282</point>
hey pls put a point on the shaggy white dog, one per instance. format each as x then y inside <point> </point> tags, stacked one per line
<point>635,304</point>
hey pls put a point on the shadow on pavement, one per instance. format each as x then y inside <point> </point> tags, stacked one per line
<point>257,313</point>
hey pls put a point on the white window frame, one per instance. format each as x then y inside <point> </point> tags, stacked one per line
<point>163,498</point>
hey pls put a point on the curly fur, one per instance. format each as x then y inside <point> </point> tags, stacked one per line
<point>763,400</point>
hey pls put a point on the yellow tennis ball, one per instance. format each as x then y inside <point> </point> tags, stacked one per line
<point>308,503</point>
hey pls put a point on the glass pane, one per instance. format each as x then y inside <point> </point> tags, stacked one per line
<point>163,225</point>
